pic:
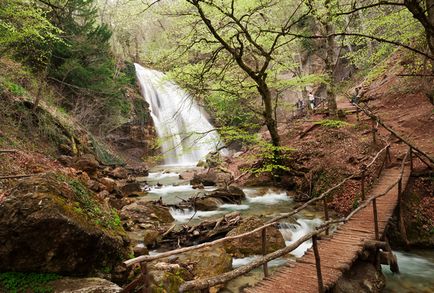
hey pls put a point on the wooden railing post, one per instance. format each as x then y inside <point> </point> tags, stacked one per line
<point>362,180</point>
<point>411,159</point>
<point>374,130</point>
<point>264,250</point>
<point>399,190</point>
<point>388,158</point>
<point>144,272</point>
<point>326,213</point>
<point>317,264</point>
<point>374,206</point>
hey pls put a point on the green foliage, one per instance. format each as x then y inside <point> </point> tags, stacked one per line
<point>88,206</point>
<point>14,88</point>
<point>387,22</point>
<point>272,159</point>
<point>27,282</point>
<point>27,33</point>
<point>332,123</point>
<point>103,154</point>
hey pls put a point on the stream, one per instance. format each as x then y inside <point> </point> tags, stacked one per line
<point>266,201</point>
<point>416,273</point>
<point>417,267</point>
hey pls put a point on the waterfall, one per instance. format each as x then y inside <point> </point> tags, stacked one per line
<point>186,134</point>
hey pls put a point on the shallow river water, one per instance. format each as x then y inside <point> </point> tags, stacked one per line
<point>417,268</point>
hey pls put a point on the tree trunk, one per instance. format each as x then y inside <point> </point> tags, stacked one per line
<point>331,98</point>
<point>270,121</point>
<point>430,34</point>
<point>38,97</point>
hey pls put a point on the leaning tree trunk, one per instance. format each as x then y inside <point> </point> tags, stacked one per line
<point>430,32</point>
<point>331,97</point>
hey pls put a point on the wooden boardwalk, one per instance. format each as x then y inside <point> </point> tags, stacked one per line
<point>342,249</point>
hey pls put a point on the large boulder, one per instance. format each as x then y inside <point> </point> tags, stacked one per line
<point>53,223</point>
<point>206,262</point>
<point>83,285</point>
<point>208,203</point>
<point>146,212</point>
<point>252,245</point>
<point>168,274</point>
<point>231,194</point>
<point>212,177</point>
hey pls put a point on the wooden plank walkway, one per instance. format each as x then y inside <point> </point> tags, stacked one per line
<point>342,249</point>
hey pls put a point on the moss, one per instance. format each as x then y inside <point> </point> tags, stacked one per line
<point>86,205</point>
<point>103,154</point>
<point>332,123</point>
<point>27,282</point>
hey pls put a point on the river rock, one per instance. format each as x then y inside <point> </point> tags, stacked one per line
<point>167,277</point>
<point>231,194</point>
<point>205,262</point>
<point>252,245</point>
<point>53,223</point>
<point>363,277</point>
<point>212,177</point>
<point>143,212</point>
<point>208,203</point>
<point>83,285</point>
<point>150,237</point>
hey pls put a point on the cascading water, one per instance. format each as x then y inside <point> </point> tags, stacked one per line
<point>185,132</point>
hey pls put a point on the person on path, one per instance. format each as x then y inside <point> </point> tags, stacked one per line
<point>311,100</point>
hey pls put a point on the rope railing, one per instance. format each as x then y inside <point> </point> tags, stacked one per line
<point>206,283</point>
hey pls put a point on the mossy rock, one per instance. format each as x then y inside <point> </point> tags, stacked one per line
<point>252,245</point>
<point>54,224</point>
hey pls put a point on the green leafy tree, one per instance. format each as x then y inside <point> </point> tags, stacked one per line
<point>234,53</point>
<point>84,66</point>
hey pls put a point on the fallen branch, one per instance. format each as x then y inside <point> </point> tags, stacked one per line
<point>8,151</point>
<point>18,176</point>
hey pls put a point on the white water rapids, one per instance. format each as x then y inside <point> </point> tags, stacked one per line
<point>182,126</point>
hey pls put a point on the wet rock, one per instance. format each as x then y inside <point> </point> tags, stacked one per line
<point>231,194</point>
<point>205,178</point>
<point>87,163</point>
<point>150,237</point>
<point>61,224</point>
<point>142,212</point>
<point>140,249</point>
<point>252,245</point>
<point>119,173</point>
<point>167,277</point>
<point>186,175</point>
<point>363,277</point>
<point>130,188</point>
<point>83,285</point>
<point>208,203</point>
<point>205,262</point>
<point>198,186</point>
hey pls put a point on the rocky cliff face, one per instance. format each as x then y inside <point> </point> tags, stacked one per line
<point>134,139</point>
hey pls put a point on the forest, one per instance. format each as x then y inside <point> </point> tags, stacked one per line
<point>216,145</point>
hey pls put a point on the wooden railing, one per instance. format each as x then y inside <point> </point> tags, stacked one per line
<point>204,284</point>
<point>262,261</point>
